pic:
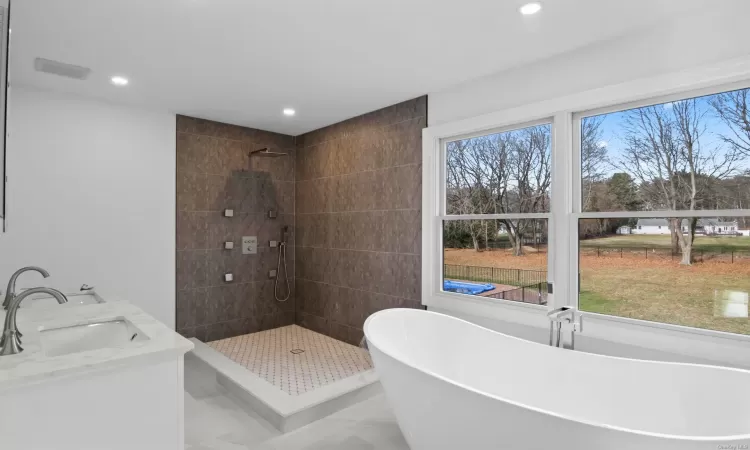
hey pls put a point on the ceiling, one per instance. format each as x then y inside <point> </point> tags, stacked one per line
<point>243,61</point>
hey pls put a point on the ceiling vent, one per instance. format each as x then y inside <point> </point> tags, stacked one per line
<point>61,69</point>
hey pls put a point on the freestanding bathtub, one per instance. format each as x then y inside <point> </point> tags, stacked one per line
<point>455,385</point>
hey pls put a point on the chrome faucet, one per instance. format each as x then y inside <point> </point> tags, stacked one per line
<point>11,291</point>
<point>11,342</point>
<point>558,316</point>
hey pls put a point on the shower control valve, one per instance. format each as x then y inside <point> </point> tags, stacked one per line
<point>249,245</point>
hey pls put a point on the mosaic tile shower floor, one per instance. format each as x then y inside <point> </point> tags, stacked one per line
<point>275,356</point>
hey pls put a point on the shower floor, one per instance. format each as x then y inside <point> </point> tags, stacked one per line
<point>295,359</point>
<point>291,376</point>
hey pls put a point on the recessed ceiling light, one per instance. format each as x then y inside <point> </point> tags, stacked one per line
<point>289,112</point>
<point>530,8</point>
<point>119,81</point>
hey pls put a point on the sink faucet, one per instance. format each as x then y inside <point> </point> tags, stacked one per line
<point>564,314</point>
<point>11,291</point>
<point>10,342</point>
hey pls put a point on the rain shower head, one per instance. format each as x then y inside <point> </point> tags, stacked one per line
<point>265,151</point>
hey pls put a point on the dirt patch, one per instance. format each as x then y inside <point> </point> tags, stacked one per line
<point>502,258</point>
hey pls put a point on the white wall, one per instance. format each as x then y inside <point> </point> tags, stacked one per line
<point>688,41</point>
<point>91,198</point>
<point>651,229</point>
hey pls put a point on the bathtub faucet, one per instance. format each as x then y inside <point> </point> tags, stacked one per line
<point>558,316</point>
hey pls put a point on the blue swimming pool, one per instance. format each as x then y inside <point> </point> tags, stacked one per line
<point>463,287</point>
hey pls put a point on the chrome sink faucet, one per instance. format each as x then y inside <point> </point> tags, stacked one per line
<point>11,342</point>
<point>558,316</point>
<point>11,291</point>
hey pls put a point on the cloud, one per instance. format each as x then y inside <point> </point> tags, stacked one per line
<point>668,105</point>
<point>602,144</point>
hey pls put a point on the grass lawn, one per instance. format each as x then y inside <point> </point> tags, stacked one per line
<point>663,291</point>
<point>715,243</point>
<point>631,286</point>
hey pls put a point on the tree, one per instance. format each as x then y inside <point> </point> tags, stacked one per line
<point>734,193</point>
<point>617,193</point>
<point>663,151</point>
<point>732,108</point>
<point>530,171</point>
<point>624,192</point>
<point>466,184</point>
<point>593,158</point>
<point>503,173</point>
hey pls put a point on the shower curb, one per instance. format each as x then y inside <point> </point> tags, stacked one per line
<point>286,412</point>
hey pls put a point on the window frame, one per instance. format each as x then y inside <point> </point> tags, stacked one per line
<point>444,216</point>
<point>565,209</point>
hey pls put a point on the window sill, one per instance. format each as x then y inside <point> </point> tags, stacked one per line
<point>719,347</point>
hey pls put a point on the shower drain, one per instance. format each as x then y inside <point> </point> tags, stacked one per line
<point>296,351</point>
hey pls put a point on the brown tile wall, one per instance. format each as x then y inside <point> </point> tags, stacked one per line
<point>215,173</point>
<point>358,212</point>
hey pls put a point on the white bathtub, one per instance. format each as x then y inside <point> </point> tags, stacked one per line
<point>455,385</point>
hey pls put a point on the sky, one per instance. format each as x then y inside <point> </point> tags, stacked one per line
<point>613,133</point>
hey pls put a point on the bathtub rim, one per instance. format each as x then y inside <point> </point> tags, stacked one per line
<point>394,311</point>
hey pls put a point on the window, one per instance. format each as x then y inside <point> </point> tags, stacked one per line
<point>497,200</point>
<point>635,213</point>
<point>677,171</point>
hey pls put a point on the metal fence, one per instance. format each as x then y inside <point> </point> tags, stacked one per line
<point>699,255</point>
<point>536,294</point>
<point>512,277</point>
<point>540,247</point>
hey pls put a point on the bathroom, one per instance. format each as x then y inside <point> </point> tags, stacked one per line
<point>328,225</point>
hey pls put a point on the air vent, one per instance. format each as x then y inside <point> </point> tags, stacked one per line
<point>61,69</point>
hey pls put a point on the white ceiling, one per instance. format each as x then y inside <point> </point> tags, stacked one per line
<point>242,61</point>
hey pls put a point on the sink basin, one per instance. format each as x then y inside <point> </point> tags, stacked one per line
<point>116,333</point>
<point>46,301</point>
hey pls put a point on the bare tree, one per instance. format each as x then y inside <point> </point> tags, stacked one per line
<point>531,174</point>
<point>663,151</point>
<point>465,184</point>
<point>732,108</point>
<point>503,173</point>
<point>593,158</point>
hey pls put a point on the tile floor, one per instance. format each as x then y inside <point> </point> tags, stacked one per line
<point>295,359</point>
<point>216,421</point>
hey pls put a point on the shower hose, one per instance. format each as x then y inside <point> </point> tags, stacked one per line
<point>282,258</point>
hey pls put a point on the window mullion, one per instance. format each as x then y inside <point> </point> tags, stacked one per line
<point>559,268</point>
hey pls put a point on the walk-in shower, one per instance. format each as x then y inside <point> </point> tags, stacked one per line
<point>289,374</point>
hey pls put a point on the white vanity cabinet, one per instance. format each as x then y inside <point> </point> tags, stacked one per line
<point>82,383</point>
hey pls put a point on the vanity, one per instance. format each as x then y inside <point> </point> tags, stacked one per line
<point>92,375</point>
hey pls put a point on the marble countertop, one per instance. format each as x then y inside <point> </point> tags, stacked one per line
<point>34,366</point>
